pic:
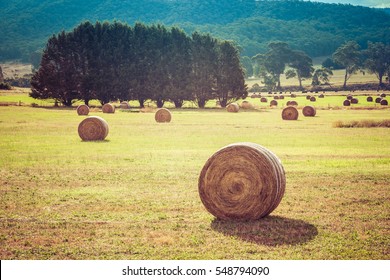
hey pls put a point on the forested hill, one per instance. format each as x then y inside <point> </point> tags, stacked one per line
<point>316,28</point>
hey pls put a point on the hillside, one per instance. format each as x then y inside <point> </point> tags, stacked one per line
<point>316,28</point>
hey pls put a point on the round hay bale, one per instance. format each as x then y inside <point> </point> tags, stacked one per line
<point>321,95</point>
<point>162,115</point>
<point>276,97</point>
<point>378,100</point>
<point>281,97</point>
<point>93,129</point>
<point>309,111</point>
<point>347,102</point>
<point>354,101</point>
<point>290,113</point>
<point>82,110</point>
<point>125,105</point>
<point>369,99</point>
<point>384,102</point>
<point>383,95</point>
<point>293,95</point>
<point>313,99</point>
<point>264,100</point>
<point>308,97</point>
<point>232,108</point>
<point>273,103</point>
<point>108,108</point>
<point>292,103</point>
<point>349,97</point>
<point>246,105</point>
<point>242,181</point>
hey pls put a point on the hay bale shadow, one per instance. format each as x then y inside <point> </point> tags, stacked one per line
<point>269,231</point>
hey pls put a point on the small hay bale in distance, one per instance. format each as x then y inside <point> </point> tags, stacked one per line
<point>321,95</point>
<point>378,100</point>
<point>82,110</point>
<point>125,105</point>
<point>108,108</point>
<point>246,105</point>
<point>309,111</point>
<point>354,101</point>
<point>263,100</point>
<point>232,108</point>
<point>369,99</point>
<point>383,95</point>
<point>276,97</point>
<point>290,113</point>
<point>347,102</point>
<point>163,115</point>
<point>293,95</point>
<point>242,181</point>
<point>349,97</point>
<point>313,99</point>
<point>292,103</point>
<point>308,97</point>
<point>273,103</point>
<point>93,128</point>
<point>384,102</point>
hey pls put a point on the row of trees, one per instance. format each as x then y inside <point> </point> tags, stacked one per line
<point>279,57</point>
<point>113,61</point>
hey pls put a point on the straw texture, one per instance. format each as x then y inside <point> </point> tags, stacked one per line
<point>232,108</point>
<point>163,115</point>
<point>242,181</point>
<point>309,111</point>
<point>93,129</point>
<point>290,113</point>
<point>82,110</point>
<point>108,108</point>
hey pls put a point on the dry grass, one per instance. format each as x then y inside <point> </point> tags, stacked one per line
<point>362,123</point>
<point>135,195</point>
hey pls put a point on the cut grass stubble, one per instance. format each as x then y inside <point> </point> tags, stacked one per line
<point>135,196</point>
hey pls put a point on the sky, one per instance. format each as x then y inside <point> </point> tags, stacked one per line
<point>367,3</point>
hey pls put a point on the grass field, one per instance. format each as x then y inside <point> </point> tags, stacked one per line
<point>135,196</point>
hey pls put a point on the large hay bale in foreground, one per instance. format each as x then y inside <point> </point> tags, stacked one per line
<point>232,108</point>
<point>93,129</point>
<point>242,181</point>
<point>163,115</point>
<point>82,110</point>
<point>290,113</point>
<point>108,108</point>
<point>309,111</point>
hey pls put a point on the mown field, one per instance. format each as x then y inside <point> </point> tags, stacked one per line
<point>135,196</point>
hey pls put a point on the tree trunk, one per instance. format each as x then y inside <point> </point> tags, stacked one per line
<point>278,86</point>
<point>141,102</point>
<point>160,103</point>
<point>345,78</point>
<point>178,103</point>
<point>201,103</point>
<point>380,79</point>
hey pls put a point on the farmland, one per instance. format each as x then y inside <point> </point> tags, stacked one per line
<point>135,195</point>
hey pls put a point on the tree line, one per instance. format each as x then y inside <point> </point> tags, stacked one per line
<point>115,61</point>
<point>281,59</point>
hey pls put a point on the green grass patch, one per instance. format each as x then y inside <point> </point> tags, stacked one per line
<point>135,196</point>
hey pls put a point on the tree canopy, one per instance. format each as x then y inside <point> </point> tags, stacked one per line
<point>114,61</point>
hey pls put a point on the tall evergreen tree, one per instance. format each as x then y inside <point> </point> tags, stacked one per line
<point>204,67</point>
<point>230,81</point>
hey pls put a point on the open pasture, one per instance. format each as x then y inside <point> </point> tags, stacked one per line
<point>135,194</point>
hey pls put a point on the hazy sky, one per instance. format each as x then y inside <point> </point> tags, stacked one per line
<point>367,3</point>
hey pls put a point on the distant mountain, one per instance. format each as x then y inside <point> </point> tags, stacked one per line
<point>316,28</point>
